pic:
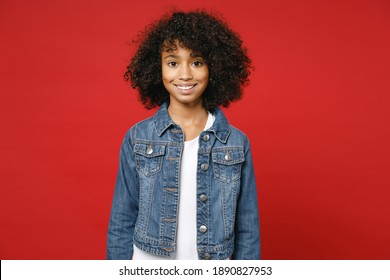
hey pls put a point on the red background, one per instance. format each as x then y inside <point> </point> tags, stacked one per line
<point>316,112</point>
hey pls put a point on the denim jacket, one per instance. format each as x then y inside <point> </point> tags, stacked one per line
<point>146,197</point>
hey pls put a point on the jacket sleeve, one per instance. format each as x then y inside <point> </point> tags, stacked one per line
<point>247,228</point>
<point>124,209</point>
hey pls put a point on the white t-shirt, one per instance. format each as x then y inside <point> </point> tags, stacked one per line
<point>186,224</point>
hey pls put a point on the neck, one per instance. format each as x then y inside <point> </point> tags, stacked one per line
<point>184,115</point>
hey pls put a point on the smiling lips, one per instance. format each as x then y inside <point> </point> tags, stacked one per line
<point>185,88</point>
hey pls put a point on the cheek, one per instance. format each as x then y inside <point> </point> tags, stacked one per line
<point>167,75</point>
<point>203,76</point>
<point>206,77</point>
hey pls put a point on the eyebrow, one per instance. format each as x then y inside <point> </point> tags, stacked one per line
<point>193,55</point>
<point>171,55</point>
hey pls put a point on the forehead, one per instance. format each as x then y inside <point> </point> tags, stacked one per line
<point>177,46</point>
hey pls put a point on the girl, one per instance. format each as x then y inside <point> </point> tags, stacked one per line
<point>186,187</point>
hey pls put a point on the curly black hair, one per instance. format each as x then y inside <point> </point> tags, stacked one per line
<point>228,63</point>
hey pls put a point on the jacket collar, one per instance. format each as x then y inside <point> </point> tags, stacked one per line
<point>221,128</point>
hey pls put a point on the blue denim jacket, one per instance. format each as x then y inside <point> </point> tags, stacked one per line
<point>146,198</point>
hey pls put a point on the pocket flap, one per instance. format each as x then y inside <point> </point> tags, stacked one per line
<point>149,150</point>
<point>228,155</point>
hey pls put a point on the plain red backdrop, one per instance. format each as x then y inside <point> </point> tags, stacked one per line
<point>316,111</point>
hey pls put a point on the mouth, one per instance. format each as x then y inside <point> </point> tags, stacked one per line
<point>185,88</point>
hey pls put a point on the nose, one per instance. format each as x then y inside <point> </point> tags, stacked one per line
<point>185,72</point>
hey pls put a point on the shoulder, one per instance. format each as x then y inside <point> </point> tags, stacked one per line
<point>234,131</point>
<point>148,122</point>
<point>226,132</point>
<point>237,132</point>
<point>141,129</point>
<point>238,138</point>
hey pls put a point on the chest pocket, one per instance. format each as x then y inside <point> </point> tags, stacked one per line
<point>227,163</point>
<point>149,157</point>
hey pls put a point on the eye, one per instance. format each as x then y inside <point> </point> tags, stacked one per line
<point>197,63</point>
<point>172,64</point>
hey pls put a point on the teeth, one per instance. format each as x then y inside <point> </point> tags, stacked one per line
<point>185,87</point>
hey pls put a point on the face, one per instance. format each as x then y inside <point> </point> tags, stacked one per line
<point>185,76</point>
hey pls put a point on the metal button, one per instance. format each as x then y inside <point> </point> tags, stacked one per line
<point>206,137</point>
<point>228,156</point>
<point>204,166</point>
<point>149,151</point>
<point>202,229</point>
<point>203,197</point>
<point>207,256</point>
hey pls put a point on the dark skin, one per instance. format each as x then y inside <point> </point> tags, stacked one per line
<point>206,35</point>
<point>185,76</point>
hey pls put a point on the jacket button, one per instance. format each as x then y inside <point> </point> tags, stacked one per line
<point>203,197</point>
<point>204,166</point>
<point>207,256</point>
<point>228,157</point>
<point>202,229</point>
<point>149,151</point>
<point>206,137</point>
